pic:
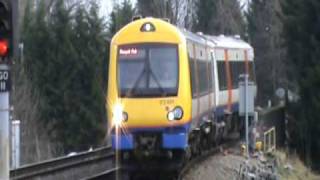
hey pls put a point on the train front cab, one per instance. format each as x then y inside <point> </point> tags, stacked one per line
<point>149,102</point>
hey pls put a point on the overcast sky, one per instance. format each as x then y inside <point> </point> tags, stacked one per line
<point>107,5</point>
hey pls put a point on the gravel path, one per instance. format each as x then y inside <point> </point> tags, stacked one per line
<point>218,167</point>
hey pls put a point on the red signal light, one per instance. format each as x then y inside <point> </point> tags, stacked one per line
<point>3,47</point>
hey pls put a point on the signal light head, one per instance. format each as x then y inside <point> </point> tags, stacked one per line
<point>6,29</point>
<point>3,48</point>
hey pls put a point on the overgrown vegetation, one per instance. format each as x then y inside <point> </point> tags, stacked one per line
<point>265,35</point>
<point>302,34</point>
<point>63,58</point>
<point>219,17</point>
<point>121,15</point>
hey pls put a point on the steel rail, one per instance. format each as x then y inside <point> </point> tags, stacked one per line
<point>111,173</point>
<point>62,164</point>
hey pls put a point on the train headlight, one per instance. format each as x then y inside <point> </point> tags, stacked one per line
<point>170,116</point>
<point>119,115</point>
<point>178,113</point>
<point>175,114</point>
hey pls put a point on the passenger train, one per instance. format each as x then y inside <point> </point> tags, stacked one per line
<point>172,92</point>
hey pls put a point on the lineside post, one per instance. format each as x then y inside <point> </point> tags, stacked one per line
<point>8,50</point>
<point>246,105</point>
<point>246,111</point>
<point>4,122</point>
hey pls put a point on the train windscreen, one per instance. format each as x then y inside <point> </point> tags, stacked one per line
<point>148,70</point>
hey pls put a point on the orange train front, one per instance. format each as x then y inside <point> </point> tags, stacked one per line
<point>169,89</point>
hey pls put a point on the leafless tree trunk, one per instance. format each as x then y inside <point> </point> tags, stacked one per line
<point>183,13</point>
<point>155,8</point>
<point>35,143</point>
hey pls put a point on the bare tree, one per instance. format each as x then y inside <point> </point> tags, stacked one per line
<point>35,143</point>
<point>219,17</point>
<point>155,8</point>
<point>183,12</point>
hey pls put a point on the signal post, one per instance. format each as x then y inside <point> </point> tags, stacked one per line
<point>6,54</point>
<point>246,106</point>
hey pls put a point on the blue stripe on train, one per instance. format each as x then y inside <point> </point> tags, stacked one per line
<point>172,137</point>
<point>123,142</point>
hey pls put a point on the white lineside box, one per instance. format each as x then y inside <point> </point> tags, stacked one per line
<point>251,91</point>
<point>15,144</point>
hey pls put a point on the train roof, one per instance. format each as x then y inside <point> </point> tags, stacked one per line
<point>217,41</point>
<point>180,34</point>
<point>194,37</point>
<point>228,41</point>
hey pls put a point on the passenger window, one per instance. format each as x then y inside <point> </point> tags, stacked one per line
<point>222,75</point>
<point>210,76</point>
<point>203,77</point>
<point>193,77</point>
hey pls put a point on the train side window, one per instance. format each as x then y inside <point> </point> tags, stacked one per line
<point>222,76</point>
<point>210,76</point>
<point>203,77</point>
<point>213,74</point>
<point>251,71</point>
<point>242,68</point>
<point>232,72</point>
<point>235,68</point>
<point>236,76</point>
<point>193,77</point>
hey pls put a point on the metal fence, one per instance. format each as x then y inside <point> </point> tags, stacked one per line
<point>269,140</point>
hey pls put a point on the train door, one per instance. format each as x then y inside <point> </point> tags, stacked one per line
<point>214,78</point>
<point>203,84</point>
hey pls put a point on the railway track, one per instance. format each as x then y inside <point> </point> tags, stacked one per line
<point>70,167</point>
<point>109,174</point>
<point>95,165</point>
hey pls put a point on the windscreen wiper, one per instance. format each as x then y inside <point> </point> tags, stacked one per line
<point>130,91</point>
<point>158,83</point>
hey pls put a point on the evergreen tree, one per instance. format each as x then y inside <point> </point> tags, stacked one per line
<point>265,28</point>
<point>179,12</point>
<point>35,145</point>
<point>35,34</point>
<point>65,53</point>
<point>302,34</point>
<point>219,17</point>
<point>59,73</point>
<point>87,86</point>
<point>205,13</point>
<point>120,16</point>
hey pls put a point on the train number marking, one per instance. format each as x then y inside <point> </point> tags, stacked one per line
<point>166,102</point>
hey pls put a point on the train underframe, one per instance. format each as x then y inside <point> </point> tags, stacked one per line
<point>174,148</point>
